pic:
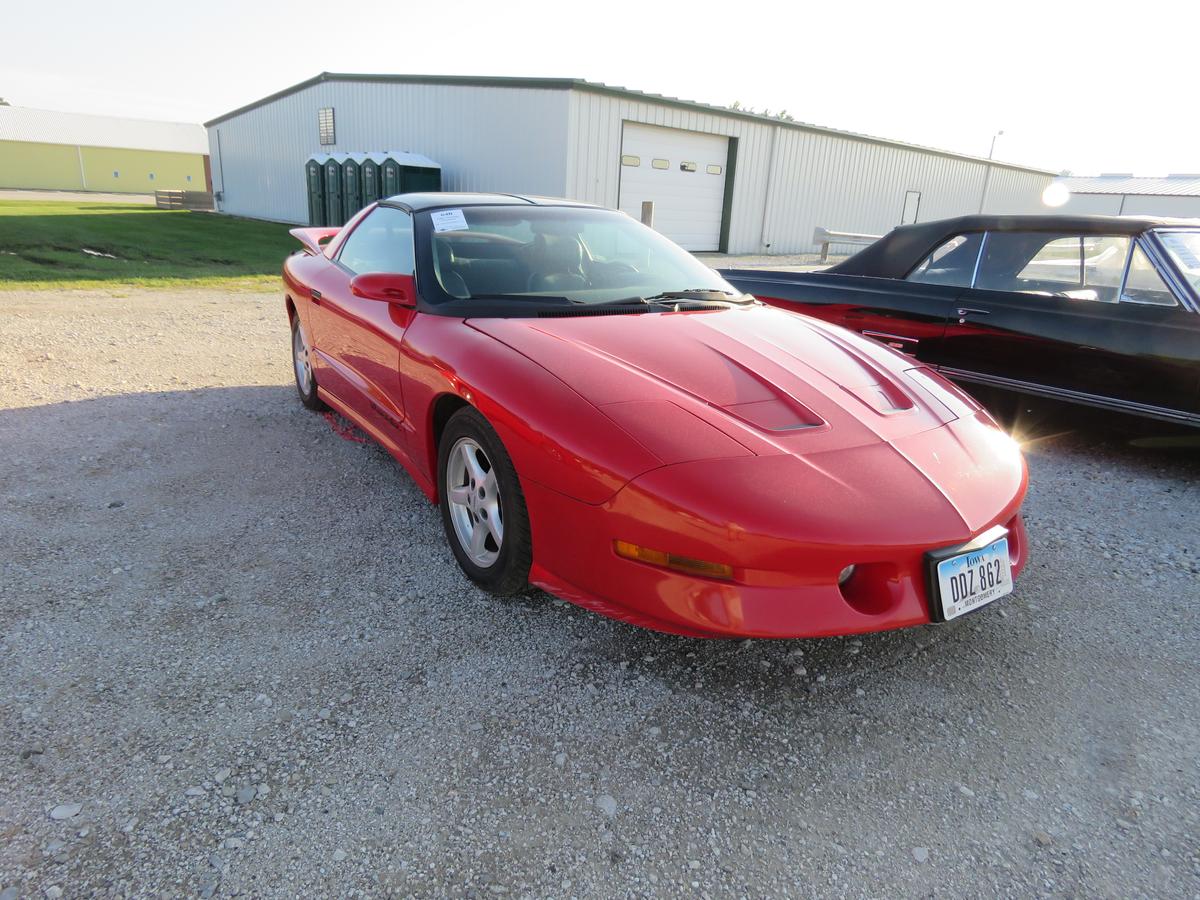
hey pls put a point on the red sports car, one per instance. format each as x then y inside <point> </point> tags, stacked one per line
<point>601,415</point>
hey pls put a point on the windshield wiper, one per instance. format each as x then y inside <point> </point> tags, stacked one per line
<point>701,294</point>
<point>522,298</point>
<point>628,301</point>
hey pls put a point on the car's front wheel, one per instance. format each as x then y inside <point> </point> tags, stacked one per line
<point>306,380</point>
<point>483,508</point>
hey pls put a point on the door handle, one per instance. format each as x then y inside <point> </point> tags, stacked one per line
<point>969,311</point>
<point>316,296</point>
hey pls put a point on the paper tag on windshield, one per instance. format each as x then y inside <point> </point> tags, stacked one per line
<point>448,220</point>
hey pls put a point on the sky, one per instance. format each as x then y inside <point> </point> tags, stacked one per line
<point>1085,87</point>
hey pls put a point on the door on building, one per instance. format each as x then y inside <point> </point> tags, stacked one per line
<point>912,207</point>
<point>683,174</point>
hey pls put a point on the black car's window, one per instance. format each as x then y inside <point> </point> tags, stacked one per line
<point>1078,267</point>
<point>1144,285</point>
<point>951,263</point>
<point>1184,249</point>
<point>382,242</point>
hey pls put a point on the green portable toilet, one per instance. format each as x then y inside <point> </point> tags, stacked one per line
<point>409,173</point>
<point>314,179</point>
<point>334,214</point>
<point>389,177</point>
<point>370,173</point>
<point>351,186</point>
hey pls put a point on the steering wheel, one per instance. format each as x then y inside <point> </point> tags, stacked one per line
<point>623,266</point>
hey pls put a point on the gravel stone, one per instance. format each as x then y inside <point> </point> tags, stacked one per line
<point>260,554</point>
<point>607,804</point>
<point>920,854</point>
<point>65,811</point>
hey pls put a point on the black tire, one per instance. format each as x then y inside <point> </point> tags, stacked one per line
<point>308,396</point>
<point>509,573</point>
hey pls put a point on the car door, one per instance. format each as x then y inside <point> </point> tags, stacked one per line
<point>358,340</point>
<point>1151,356</point>
<point>1046,313</point>
<point>911,315</point>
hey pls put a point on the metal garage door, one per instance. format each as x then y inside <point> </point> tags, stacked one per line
<point>683,172</point>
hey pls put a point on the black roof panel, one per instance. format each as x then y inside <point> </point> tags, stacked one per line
<point>896,253</point>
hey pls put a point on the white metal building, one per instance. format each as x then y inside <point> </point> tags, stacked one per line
<point>720,179</point>
<point>1117,195</point>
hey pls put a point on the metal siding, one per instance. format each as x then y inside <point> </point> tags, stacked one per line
<point>47,126</point>
<point>817,179</point>
<point>486,139</point>
<point>1092,205</point>
<point>1172,185</point>
<point>1167,207</point>
<point>568,142</point>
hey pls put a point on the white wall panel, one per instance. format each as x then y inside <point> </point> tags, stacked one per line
<point>1154,205</point>
<point>1091,205</point>
<point>485,138</point>
<point>816,178</point>
<point>563,142</point>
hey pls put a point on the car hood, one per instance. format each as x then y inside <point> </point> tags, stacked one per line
<point>770,380</point>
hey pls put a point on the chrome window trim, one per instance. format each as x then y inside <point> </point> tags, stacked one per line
<point>966,236</point>
<point>1165,413</point>
<point>1159,269</point>
<point>1125,271</point>
<point>978,260</point>
<point>1161,259</point>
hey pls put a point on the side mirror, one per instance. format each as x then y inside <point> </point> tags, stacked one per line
<point>386,286</point>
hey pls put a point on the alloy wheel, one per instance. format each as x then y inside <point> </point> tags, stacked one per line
<point>473,496</point>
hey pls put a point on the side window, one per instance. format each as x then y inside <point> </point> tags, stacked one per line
<point>1078,267</point>
<point>1060,261</point>
<point>382,242</point>
<point>951,263</point>
<point>1144,285</point>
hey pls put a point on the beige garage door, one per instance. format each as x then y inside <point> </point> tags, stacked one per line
<point>683,173</point>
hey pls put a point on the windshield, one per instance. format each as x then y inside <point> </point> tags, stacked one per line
<point>1184,249</point>
<point>518,259</point>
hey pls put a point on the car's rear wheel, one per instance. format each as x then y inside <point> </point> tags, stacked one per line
<point>483,508</point>
<point>306,379</point>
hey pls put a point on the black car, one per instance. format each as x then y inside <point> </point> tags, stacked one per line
<point>1101,310</point>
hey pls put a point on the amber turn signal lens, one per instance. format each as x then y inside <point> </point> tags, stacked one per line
<point>671,561</point>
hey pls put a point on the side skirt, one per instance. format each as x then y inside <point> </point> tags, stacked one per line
<point>1162,413</point>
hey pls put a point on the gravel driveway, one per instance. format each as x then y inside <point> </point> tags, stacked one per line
<point>237,658</point>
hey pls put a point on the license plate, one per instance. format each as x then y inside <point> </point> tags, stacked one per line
<point>973,578</point>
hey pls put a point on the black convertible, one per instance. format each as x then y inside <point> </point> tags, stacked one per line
<point>1102,310</point>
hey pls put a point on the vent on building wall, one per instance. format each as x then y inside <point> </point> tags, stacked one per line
<point>325,126</point>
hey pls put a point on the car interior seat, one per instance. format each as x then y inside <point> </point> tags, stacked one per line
<point>557,264</point>
<point>444,263</point>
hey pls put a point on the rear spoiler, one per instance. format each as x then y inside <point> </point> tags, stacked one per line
<point>312,238</point>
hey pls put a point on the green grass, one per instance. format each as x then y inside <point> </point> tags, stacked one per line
<point>42,244</point>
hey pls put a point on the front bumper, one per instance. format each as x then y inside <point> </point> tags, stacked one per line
<point>784,586</point>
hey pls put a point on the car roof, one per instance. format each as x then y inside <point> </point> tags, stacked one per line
<point>896,253</point>
<point>441,199</point>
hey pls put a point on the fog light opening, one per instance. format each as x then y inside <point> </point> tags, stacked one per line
<point>872,589</point>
